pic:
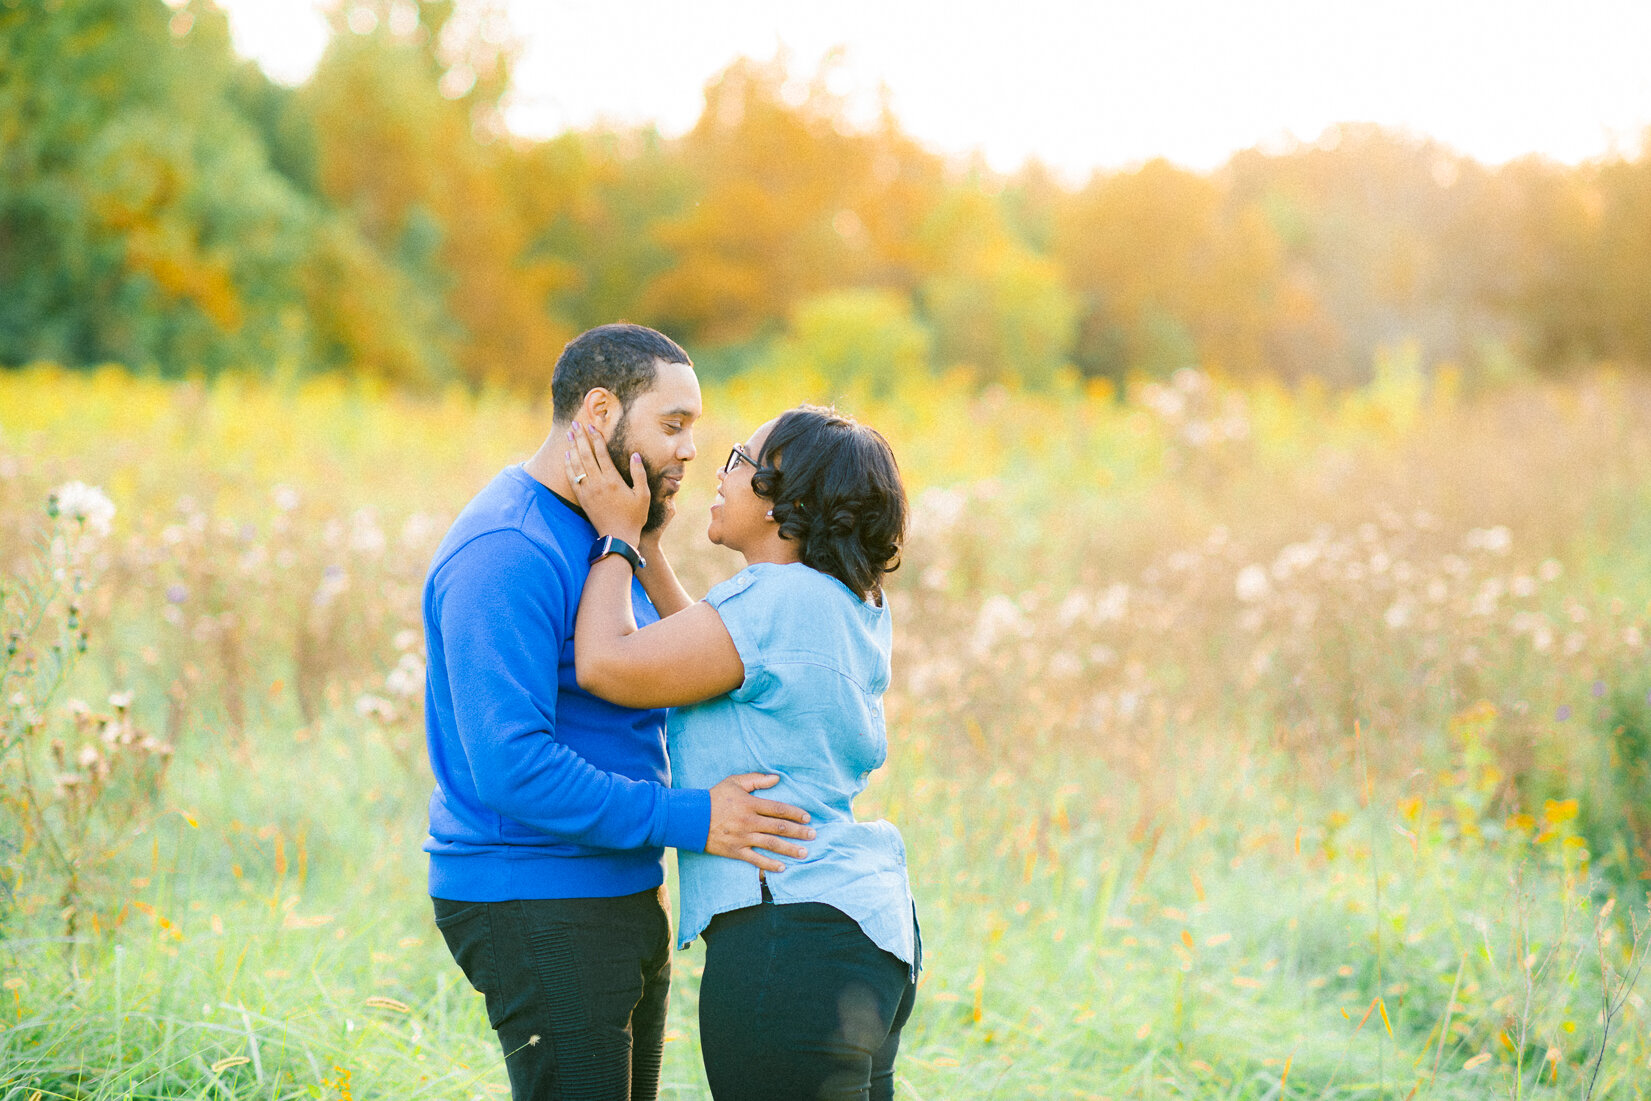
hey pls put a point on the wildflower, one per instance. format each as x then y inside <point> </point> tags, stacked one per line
<point>1252,584</point>
<point>177,594</point>
<point>999,616</point>
<point>938,509</point>
<point>87,504</point>
<point>1073,608</point>
<point>1496,540</point>
<point>1295,557</point>
<point>1112,604</point>
<point>1064,664</point>
<point>369,706</point>
<point>1164,401</point>
<point>366,537</point>
<point>420,528</point>
<point>407,678</point>
<point>334,582</point>
<point>286,497</point>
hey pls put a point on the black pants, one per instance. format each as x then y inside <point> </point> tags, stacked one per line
<point>575,989</point>
<point>798,1003</point>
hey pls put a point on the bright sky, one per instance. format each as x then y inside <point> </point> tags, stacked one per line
<point>1080,85</point>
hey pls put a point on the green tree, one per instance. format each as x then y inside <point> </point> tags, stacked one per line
<point>857,335</point>
<point>994,304</point>
<point>143,220</point>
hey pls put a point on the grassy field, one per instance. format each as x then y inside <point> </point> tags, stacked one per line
<point>1247,743</point>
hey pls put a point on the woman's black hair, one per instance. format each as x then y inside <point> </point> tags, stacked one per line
<point>836,493</point>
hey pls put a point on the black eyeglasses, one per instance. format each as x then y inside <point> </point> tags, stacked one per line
<point>737,455</point>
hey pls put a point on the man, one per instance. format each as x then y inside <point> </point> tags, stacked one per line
<point>552,807</point>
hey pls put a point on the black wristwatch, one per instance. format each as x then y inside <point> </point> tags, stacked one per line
<point>609,545</point>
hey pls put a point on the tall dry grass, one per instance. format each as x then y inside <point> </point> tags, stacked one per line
<point>1248,743</point>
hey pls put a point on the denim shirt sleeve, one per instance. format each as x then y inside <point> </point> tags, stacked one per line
<point>749,611</point>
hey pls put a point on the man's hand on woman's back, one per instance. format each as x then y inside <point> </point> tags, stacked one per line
<point>742,823</point>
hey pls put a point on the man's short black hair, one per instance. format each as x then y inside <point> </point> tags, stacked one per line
<point>837,493</point>
<point>619,358</point>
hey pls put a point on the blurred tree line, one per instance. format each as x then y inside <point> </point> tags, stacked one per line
<point>165,205</point>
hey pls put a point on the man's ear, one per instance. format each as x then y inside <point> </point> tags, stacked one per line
<point>600,409</point>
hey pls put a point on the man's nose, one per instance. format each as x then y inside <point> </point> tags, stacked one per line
<point>685,449</point>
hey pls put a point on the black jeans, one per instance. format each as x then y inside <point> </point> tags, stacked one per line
<point>575,989</point>
<point>798,1003</point>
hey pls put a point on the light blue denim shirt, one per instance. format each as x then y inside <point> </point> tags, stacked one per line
<point>811,711</point>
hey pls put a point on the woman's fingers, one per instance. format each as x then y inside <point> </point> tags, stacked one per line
<point>612,505</point>
<point>592,449</point>
<point>575,467</point>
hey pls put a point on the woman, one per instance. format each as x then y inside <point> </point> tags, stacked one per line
<point>810,968</point>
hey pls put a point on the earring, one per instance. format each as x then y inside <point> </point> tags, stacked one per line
<point>770,514</point>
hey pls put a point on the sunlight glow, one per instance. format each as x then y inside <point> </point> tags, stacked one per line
<point>1086,85</point>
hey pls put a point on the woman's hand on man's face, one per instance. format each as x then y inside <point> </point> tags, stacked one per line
<point>613,507</point>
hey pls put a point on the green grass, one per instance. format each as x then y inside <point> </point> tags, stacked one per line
<point>1067,956</point>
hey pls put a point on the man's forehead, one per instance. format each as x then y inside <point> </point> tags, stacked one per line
<point>675,392</point>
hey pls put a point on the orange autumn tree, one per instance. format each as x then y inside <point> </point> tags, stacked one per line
<point>405,104</point>
<point>1167,276</point>
<point>791,199</point>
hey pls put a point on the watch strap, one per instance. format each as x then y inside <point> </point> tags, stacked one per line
<point>608,544</point>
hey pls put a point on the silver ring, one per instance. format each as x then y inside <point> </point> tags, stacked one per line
<point>579,479</point>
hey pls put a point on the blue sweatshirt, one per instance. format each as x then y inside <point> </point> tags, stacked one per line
<point>542,789</point>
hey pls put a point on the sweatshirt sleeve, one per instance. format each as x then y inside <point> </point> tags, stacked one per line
<point>503,610</point>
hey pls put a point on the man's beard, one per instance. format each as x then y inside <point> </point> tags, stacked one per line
<point>619,450</point>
